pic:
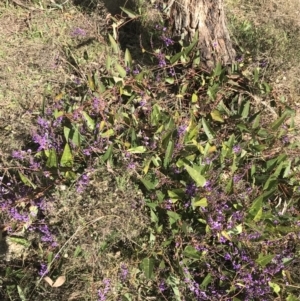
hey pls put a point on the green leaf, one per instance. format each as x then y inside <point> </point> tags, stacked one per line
<point>148,184</point>
<point>58,113</point>
<point>218,69</point>
<point>108,63</point>
<point>91,82</point>
<point>208,131</point>
<point>174,282</point>
<point>191,252</point>
<point>212,91</point>
<point>277,123</point>
<point>263,260</point>
<point>108,153</point>
<point>19,240</point>
<point>256,75</point>
<point>26,181</point>
<point>202,202</point>
<point>215,115</point>
<point>229,186</point>
<point>107,134</point>
<point>292,297</point>
<point>67,158</point>
<point>206,281</point>
<point>246,110</point>
<point>76,138</point>
<point>170,80</point>
<point>21,293</point>
<point>147,267</point>
<point>169,153</point>
<point>176,57</point>
<point>188,49</point>
<point>52,159</point>
<point>258,215</point>
<point>77,251</point>
<point>128,58</point>
<point>113,44</point>
<point>49,258</point>
<point>256,206</point>
<point>121,70</point>
<point>195,175</point>
<point>137,150</point>
<point>66,133</point>
<point>194,98</point>
<point>129,12</point>
<point>154,217</point>
<point>275,287</point>
<point>89,121</point>
<point>173,217</point>
<point>271,182</point>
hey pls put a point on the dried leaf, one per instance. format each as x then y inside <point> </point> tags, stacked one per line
<point>59,281</point>
<point>48,280</point>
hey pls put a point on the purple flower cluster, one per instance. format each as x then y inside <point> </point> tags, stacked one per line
<point>168,204</point>
<point>43,270</point>
<point>103,293</point>
<point>194,287</point>
<point>167,41</point>
<point>161,60</point>
<point>191,189</point>
<point>124,272</point>
<point>82,183</point>
<point>162,286</point>
<point>47,236</point>
<point>14,213</point>
<point>78,32</point>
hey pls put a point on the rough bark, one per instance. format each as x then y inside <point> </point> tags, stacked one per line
<point>208,18</point>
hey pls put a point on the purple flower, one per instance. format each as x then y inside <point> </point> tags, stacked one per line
<point>172,72</point>
<point>162,286</point>
<point>136,71</point>
<point>78,32</point>
<point>77,81</point>
<point>18,154</point>
<point>82,183</point>
<point>161,60</point>
<point>57,122</point>
<point>131,165</point>
<point>191,189</point>
<point>46,235</point>
<point>167,41</point>
<point>181,129</point>
<point>208,185</point>
<point>86,152</point>
<point>236,149</point>
<point>237,178</point>
<point>43,270</point>
<point>17,216</point>
<point>124,272</point>
<point>42,141</point>
<point>168,204</point>
<point>127,69</point>
<point>239,59</point>
<point>43,122</point>
<point>103,293</point>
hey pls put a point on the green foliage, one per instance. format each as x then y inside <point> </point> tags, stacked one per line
<point>220,185</point>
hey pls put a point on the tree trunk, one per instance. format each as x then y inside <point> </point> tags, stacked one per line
<point>208,18</point>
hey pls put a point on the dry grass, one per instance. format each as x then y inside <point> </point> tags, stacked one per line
<point>34,63</point>
<point>274,36</point>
